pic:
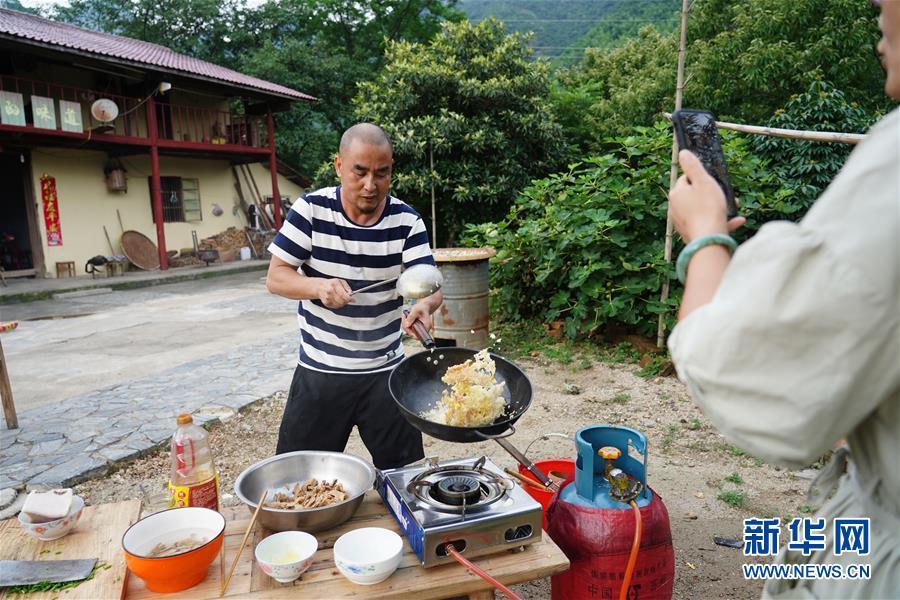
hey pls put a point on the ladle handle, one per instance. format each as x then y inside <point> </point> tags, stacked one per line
<point>374,285</point>
<point>423,334</point>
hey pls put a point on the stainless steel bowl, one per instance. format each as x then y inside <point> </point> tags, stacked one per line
<point>281,472</point>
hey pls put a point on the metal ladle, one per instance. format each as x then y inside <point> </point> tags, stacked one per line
<point>418,281</point>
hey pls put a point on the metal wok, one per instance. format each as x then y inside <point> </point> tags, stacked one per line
<point>416,386</point>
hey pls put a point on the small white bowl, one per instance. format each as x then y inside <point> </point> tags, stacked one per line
<point>368,555</point>
<point>53,530</point>
<point>287,555</point>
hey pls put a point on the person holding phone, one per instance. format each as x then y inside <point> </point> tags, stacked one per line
<point>793,343</point>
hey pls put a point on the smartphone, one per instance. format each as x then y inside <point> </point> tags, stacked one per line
<point>696,131</point>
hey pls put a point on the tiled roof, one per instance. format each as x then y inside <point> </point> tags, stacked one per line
<point>29,27</point>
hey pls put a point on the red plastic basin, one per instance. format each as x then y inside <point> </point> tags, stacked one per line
<point>564,466</point>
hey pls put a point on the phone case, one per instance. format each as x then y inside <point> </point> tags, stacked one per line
<point>695,130</point>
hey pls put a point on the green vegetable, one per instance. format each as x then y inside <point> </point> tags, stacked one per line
<point>49,586</point>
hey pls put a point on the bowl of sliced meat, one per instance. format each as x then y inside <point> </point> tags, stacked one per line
<point>308,490</point>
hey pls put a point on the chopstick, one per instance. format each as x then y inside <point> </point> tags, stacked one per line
<point>526,480</point>
<point>262,497</point>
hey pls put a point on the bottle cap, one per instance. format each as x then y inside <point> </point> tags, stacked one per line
<point>184,419</point>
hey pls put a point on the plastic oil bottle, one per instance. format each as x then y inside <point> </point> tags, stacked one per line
<point>193,481</point>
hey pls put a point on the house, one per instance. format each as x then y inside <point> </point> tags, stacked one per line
<point>101,133</point>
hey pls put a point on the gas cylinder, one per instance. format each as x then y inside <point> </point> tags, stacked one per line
<point>593,521</point>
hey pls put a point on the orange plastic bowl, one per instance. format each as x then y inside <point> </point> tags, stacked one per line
<point>180,571</point>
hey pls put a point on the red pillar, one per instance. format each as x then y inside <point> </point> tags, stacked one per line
<point>273,168</point>
<point>155,195</point>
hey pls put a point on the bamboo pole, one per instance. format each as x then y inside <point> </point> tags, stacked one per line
<point>673,167</point>
<point>792,134</point>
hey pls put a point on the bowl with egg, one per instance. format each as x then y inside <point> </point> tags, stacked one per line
<point>286,555</point>
<point>173,549</point>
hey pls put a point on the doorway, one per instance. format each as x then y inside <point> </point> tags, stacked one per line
<point>17,256</point>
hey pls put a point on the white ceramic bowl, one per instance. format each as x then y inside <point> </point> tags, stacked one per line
<point>287,555</point>
<point>368,555</point>
<point>52,530</point>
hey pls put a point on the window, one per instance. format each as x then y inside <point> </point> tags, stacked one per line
<point>180,199</point>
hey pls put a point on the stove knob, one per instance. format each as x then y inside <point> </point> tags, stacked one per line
<point>609,453</point>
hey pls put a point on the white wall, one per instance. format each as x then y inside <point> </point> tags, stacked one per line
<point>86,206</point>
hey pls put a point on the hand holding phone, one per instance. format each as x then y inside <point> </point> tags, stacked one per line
<point>696,131</point>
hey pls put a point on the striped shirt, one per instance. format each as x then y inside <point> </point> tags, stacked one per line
<point>318,237</point>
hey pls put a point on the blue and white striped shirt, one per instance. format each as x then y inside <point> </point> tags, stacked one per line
<point>319,238</point>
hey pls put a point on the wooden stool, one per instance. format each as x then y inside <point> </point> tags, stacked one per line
<point>114,268</point>
<point>67,267</point>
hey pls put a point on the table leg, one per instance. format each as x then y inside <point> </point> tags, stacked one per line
<point>482,595</point>
<point>9,409</point>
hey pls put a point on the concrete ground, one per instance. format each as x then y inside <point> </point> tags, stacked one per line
<point>70,346</point>
<point>99,378</point>
<point>29,289</point>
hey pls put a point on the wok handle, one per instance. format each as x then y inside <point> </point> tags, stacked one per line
<point>423,334</point>
<point>489,436</point>
<point>521,458</point>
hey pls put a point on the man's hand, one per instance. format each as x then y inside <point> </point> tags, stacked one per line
<point>697,203</point>
<point>420,311</point>
<point>334,293</point>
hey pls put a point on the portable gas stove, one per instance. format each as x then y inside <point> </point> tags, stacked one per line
<point>467,502</point>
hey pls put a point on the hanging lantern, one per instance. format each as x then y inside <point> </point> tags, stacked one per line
<point>115,176</point>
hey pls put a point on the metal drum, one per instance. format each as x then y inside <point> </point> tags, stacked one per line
<point>463,318</point>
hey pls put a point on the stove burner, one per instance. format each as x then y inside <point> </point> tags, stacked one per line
<point>457,490</point>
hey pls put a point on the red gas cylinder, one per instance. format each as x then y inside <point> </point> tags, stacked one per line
<point>596,530</point>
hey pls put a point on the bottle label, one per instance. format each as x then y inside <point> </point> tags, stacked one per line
<point>204,495</point>
<point>184,455</point>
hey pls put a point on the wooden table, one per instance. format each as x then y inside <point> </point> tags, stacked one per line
<point>98,534</point>
<point>323,580</point>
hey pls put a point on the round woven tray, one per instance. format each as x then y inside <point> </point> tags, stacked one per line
<point>140,250</point>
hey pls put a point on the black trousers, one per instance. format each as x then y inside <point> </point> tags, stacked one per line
<point>322,409</point>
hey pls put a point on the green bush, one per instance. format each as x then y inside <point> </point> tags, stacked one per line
<point>810,166</point>
<point>586,245</point>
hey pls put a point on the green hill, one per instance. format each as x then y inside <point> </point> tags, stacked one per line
<point>562,27</point>
<point>622,22</point>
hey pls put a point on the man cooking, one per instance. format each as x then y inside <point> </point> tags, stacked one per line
<point>333,241</point>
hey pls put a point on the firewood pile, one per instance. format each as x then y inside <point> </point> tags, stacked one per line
<point>228,243</point>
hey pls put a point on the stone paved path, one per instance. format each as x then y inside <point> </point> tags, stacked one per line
<point>83,436</point>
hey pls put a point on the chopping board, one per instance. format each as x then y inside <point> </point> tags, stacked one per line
<point>97,535</point>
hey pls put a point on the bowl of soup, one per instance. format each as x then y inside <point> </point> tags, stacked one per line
<point>172,550</point>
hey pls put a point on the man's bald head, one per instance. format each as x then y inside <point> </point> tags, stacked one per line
<point>367,133</point>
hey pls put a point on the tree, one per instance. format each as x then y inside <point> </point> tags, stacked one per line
<point>623,22</point>
<point>585,246</point>
<point>16,5</point>
<point>327,48</point>
<point>614,90</point>
<point>321,47</point>
<point>745,59</point>
<point>474,98</point>
<point>810,166</point>
<point>205,29</point>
